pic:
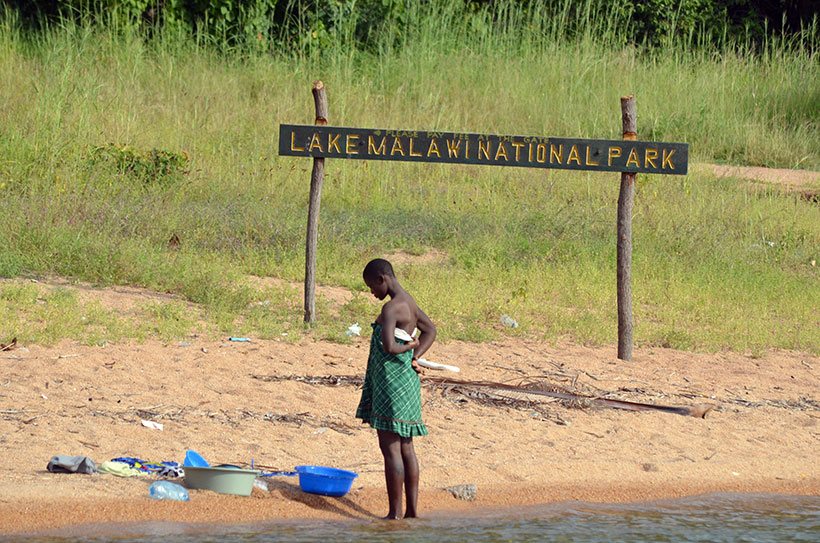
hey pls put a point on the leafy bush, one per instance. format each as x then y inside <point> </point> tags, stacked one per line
<point>155,166</point>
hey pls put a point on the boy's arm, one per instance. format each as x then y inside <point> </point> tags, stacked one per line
<point>428,333</point>
<point>389,319</point>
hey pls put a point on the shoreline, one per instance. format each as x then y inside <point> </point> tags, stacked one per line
<point>207,511</point>
<point>287,404</point>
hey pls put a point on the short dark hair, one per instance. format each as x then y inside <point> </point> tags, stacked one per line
<point>378,267</point>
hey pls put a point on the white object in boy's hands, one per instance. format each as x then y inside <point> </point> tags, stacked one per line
<point>404,336</point>
<point>436,366</point>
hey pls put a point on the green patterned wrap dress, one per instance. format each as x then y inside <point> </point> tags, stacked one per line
<point>391,397</point>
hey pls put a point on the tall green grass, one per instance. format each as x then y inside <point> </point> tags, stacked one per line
<point>716,265</point>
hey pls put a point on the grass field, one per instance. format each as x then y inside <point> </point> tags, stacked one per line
<point>110,145</point>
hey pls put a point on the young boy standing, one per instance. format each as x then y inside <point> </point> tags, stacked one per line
<point>391,398</point>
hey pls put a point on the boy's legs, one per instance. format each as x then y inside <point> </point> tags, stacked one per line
<point>394,474</point>
<point>411,476</point>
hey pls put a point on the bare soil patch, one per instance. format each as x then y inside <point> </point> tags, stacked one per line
<point>337,296</point>
<point>402,258</point>
<point>123,299</point>
<point>790,178</point>
<point>804,182</point>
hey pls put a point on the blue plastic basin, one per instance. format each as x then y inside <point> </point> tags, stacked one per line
<point>194,459</point>
<point>325,481</point>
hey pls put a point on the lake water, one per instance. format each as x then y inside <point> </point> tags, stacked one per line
<point>712,518</point>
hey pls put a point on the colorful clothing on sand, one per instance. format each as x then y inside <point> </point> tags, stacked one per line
<point>120,469</point>
<point>162,469</point>
<point>391,397</point>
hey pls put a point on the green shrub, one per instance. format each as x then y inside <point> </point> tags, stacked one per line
<point>152,167</point>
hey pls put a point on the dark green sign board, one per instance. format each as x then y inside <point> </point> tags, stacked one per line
<point>484,149</point>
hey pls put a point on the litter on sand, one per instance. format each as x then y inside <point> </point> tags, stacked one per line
<point>151,424</point>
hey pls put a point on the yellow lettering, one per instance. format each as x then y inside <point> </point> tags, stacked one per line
<point>484,147</point>
<point>501,151</point>
<point>518,145</point>
<point>401,133</point>
<point>315,143</point>
<point>433,148</point>
<point>411,148</point>
<point>667,159</point>
<point>371,146</point>
<point>573,155</point>
<point>352,144</point>
<point>396,147</point>
<point>529,154</point>
<point>293,146</point>
<point>633,158</point>
<point>589,161</point>
<point>453,147</point>
<point>557,155</point>
<point>614,152</point>
<point>333,141</point>
<point>541,153</point>
<point>649,157</point>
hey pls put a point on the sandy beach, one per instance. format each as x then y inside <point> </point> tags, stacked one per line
<point>285,404</point>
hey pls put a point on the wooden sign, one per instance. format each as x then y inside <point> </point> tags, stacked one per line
<point>484,149</point>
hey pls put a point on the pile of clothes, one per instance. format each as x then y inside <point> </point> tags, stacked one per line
<point>123,466</point>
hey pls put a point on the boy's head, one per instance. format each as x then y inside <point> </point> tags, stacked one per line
<point>376,268</point>
<point>375,274</point>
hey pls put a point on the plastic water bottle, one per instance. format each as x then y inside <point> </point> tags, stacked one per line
<point>166,490</point>
<point>508,321</point>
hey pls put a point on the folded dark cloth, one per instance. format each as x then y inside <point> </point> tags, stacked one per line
<point>71,464</point>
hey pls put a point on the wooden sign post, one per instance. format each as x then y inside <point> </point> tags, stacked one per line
<point>627,156</point>
<point>316,179</point>
<point>626,200</point>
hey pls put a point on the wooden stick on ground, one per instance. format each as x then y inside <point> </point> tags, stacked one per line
<point>8,347</point>
<point>698,410</point>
